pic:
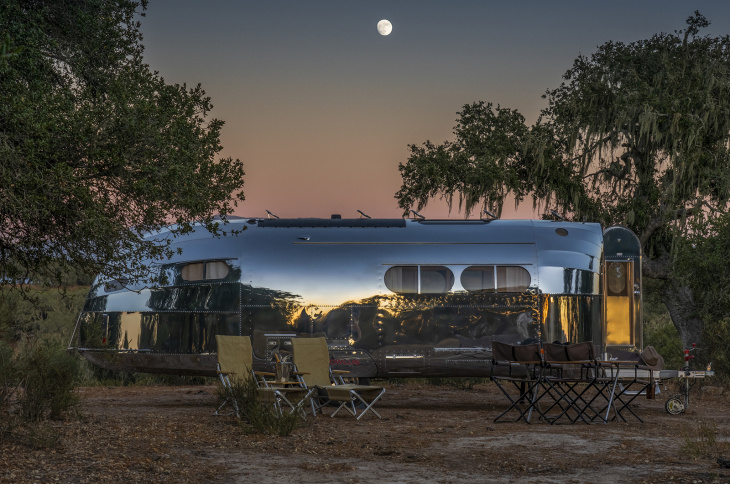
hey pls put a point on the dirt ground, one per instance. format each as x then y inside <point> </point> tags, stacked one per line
<point>428,434</point>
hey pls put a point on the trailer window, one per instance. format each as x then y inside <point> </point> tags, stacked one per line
<point>436,279</point>
<point>419,280</point>
<point>512,279</point>
<point>117,284</point>
<point>616,277</point>
<point>193,272</point>
<point>402,279</point>
<point>507,278</point>
<point>478,279</point>
<point>216,270</point>
<point>209,270</point>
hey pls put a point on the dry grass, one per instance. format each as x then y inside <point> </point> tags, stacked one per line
<point>429,434</point>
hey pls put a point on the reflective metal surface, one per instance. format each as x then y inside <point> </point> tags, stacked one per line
<point>280,279</point>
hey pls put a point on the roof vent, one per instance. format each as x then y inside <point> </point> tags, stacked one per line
<point>336,216</point>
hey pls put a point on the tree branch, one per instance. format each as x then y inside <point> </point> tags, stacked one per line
<point>659,268</point>
<point>659,221</point>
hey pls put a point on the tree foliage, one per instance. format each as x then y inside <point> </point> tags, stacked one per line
<point>637,134</point>
<point>646,126</point>
<point>96,148</point>
<point>702,266</point>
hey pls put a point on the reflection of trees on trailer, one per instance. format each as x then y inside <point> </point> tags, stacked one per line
<point>393,297</point>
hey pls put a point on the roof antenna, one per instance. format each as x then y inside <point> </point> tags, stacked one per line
<point>363,214</point>
<point>272,215</point>
<point>418,215</point>
<point>557,215</point>
<point>489,214</point>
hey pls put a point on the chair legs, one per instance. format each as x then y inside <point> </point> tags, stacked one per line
<point>574,400</point>
<point>297,405</point>
<point>226,382</point>
<point>355,397</point>
<point>525,402</point>
<point>624,397</point>
<point>234,404</point>
<point>557,399</point>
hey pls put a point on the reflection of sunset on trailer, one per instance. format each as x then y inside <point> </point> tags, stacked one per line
<point>394,297</point>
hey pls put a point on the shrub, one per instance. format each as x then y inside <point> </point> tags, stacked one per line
<point>8,388</point>
<point>258,415</point>
<point>664,337</point>
<point>170,380</point>
<point>715,347</point>
<point>46,376</point>
<point>36,384</point>
<point>43,313</point>
<point>703,441</point>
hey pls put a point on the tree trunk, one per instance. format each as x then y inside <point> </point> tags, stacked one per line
<point>680,303</point>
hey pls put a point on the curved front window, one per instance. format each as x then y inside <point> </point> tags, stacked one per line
<point>204,271</point>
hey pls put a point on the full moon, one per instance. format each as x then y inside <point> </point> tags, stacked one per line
<point>385,27</point>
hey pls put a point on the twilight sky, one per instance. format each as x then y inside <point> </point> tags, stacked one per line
<point>321,108</point>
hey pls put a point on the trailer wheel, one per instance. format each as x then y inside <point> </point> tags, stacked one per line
<point>674,406</point>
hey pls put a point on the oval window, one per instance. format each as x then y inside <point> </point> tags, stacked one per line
<point>436,279</point>
<point>402,279</point>
<point>512,279</point>
<point>419,280</point>
<point>616,276</point>
<point>478,279</point>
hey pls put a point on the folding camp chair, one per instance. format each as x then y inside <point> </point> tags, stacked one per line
<point>632,374</point>
<point>571,379</point>
<point>312,363</point>
<point>235,361</point>
<point>518,367</point>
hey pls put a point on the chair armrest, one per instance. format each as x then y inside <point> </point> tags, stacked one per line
<point>263,373</point>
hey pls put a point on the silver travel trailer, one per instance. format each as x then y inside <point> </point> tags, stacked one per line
<point>393,297</point>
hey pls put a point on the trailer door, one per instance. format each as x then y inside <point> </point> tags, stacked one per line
<point>622,289</point>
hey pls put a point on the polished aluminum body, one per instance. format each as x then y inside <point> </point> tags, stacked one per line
<point>394,297</point>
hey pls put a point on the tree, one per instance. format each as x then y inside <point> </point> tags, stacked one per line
<point>701,263</point>
<point>7,49</point>
<point>96,149</point>
<point>637,134</point>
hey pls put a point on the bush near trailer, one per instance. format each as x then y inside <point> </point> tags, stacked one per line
<point>37,384</point>
<point>253,415</point>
